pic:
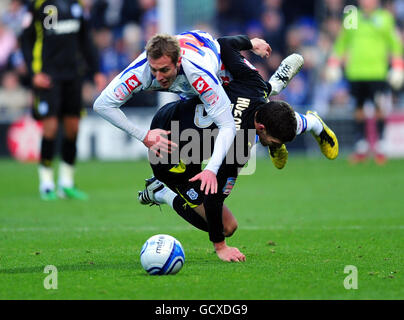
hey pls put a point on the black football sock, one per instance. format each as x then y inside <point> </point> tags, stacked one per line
<point>360,130</point>
<point>380,128</point>
<point>47,151</point>
<point>69,151</point>
<point>187,213</point>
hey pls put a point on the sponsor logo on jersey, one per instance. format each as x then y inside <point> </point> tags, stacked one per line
<point>200,85</point>
<point>229,186</point>
<point>192,194</point>
<point>67,26</point>
<point>225,80</point>
<point>241,105</point>
<point>210,97</point>
<point>121,92</point>
<point>132,83</point>
<point>76,10</point>
<point>43,108</point>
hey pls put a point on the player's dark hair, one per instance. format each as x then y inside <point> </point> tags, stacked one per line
<point>279,120</point>
<point>163,44</point>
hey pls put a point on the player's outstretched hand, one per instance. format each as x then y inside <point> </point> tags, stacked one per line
<point>156,140</point>
<point>228,254</point>
<point>208,181</point>
<point>261,48</point>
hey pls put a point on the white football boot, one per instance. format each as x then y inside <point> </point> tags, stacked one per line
<point>147,195</point>
<point>288,68</point>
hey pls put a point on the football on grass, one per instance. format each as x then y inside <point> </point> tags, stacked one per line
<point>162,254</point>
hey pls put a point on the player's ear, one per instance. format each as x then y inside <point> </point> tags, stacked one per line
<point>260,127</point>
<point>179,61</point>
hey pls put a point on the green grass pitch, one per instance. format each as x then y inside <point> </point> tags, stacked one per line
<point>298,227</point>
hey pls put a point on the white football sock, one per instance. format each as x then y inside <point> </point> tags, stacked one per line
<point>276,87</point>
<point>46,181</point>
<point>66,175</point>
<point>308,122</point>
<point>166,195</point>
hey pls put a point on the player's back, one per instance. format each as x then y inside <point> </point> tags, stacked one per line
<point>201,49</point>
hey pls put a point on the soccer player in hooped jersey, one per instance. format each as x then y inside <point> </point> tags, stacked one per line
<point>189,65</point>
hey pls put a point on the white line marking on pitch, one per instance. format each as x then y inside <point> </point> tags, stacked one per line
<point>183,228</point>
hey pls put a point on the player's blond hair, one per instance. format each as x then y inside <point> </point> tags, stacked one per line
<point>163,44</point>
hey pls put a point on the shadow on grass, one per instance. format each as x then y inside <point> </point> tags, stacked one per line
<point>81,266</point>
<point>94,266</point>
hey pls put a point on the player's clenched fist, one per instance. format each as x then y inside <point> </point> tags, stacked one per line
<point>261,48</point>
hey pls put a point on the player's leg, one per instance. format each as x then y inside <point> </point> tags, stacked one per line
<point>46,108</point>
<point>382,101</point>
<point>47,153</point>
<point>288,68</point>
<point>359,91</point>
<point>71,109</point>
<point>184,197</point>
<point>310,122</point>
<point>230,224</point>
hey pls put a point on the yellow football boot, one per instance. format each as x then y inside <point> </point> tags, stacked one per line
<point>279,156</point>
<point>327,140</point>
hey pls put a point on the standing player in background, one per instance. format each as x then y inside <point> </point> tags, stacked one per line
<point>189,65</point>
<point>54,41</point>
<point>367,48</point>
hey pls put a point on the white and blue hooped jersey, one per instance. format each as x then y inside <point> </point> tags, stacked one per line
<point>201,74</point>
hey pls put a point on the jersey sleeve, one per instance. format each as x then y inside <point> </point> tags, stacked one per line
<point>28,37</point>
<point>217,105</point>
<point>393,38</point>
<point>237,65</point>
<point>341,42</point>
<point>207,86</point>
<point>128,82</point>
<point>121,88</point>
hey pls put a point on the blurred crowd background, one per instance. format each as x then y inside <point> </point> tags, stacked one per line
<point>121,29</point>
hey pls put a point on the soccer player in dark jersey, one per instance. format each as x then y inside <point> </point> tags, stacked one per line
<point>55,39</point>
<point>273,122</point>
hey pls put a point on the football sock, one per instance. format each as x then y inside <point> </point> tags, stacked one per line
<point>165,195</point>
<point>46,181</point>
<point>269,85</point>
<point>360,130</point>
<point>66,175</point>
<point>380,128</point>
<point>308,123</point>
<point>187,213</point>
<point>47,152</point>
<point>69,151</point>
<point>45,170</point>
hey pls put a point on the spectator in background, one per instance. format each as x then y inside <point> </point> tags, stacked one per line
<point>367,47</point>
<point>14,99</point>
<point>8,44</point>
<point>273,26</point>
<point>13,18</point>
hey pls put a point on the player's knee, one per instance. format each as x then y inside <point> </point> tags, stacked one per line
<point>230,228</point>
<point>50,127</point>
